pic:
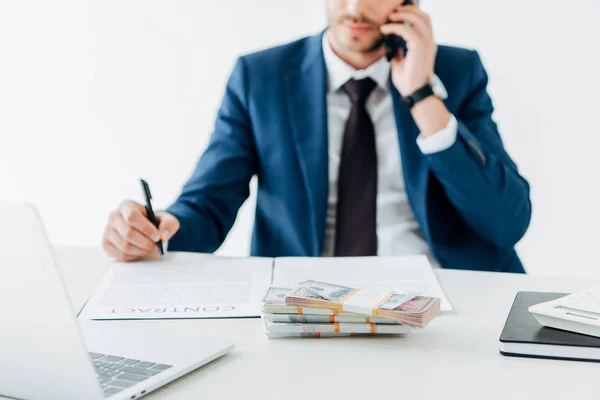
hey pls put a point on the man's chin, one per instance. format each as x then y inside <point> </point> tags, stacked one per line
<point>364,48</point>
<point>375,46</point>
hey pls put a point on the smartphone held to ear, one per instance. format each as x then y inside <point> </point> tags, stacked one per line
<point>394,43</point>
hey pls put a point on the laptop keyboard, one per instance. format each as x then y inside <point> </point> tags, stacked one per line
<point>119,373</point>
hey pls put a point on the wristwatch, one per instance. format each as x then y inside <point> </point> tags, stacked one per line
<point>434,87</point>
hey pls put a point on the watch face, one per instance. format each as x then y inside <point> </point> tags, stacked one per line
<point>438,87</point>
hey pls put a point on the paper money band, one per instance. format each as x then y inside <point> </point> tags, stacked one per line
<point>348,296</point>
<point>316,311</point>
<point>366,321</point>
<point>332,318</point>
<point>386,298</point>
<point>363,302</point>
<point>302,311</point>
<point>353,328</point>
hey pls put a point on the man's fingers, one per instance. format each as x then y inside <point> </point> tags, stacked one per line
<point>407,33</point>
<point>115,253</point>
<point>168,225</point>
<point>125,247</point>
<point>420,22</point>
<point>134,215</point>
<point>130,234</point>
<point>413,8</point>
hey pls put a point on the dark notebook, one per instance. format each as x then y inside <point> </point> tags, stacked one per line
<point>523,336</point>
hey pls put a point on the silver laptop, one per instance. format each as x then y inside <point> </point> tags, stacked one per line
<point>45,353</point>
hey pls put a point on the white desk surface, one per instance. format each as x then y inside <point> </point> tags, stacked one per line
<point>455,357</point>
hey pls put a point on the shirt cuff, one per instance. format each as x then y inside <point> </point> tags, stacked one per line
<point>441,140</point>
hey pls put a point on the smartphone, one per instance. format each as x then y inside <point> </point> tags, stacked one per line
<point>394,43</point>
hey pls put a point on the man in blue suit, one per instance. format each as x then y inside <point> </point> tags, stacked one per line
<point>355,155</point>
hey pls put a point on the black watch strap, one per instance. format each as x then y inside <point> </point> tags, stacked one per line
<point>419,95</point>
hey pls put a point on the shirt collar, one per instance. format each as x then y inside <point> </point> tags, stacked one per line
<point>339,72</point>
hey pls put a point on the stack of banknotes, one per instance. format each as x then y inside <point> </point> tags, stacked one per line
<point>320,309</point>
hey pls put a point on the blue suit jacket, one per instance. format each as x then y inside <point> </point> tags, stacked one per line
<point>470,201</point>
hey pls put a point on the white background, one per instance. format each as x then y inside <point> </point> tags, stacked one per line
<point>94,95</point>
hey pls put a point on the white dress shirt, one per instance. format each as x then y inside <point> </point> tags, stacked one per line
<point>398,232</point>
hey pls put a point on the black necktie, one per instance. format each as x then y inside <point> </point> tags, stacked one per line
<point>357,183</point>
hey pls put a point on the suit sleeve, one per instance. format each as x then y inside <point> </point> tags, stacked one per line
<point>479,177</point>
<point>210,200</point>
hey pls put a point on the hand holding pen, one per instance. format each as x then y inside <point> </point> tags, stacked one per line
<point>131,235</point>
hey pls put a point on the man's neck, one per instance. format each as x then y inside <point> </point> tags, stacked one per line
<point>355,59</point>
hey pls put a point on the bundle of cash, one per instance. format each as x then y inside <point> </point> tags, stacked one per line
<point>275,310</point>
<point>281,330</point>
<point>400,307</point>
<point>282,321</point>
<point>317,335</point>
<point>324,319</point>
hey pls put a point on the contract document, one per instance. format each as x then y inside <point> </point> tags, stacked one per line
<point>183,285</point>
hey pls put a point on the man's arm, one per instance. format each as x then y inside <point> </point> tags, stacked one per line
<point>210,200</point>
<point>467,156</point>
<point>479,177</point>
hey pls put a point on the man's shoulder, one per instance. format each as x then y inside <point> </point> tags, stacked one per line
<point>454,55</point>
<point>456,66</point>
<point>279,58</point>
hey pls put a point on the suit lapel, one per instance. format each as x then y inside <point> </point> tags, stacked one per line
<point>306,89</point>
<point>414,165</point>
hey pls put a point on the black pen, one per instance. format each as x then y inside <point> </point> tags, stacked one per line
<point>150,211</point>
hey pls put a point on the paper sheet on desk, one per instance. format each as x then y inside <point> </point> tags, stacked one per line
<point>412,273</point>
<point>183,285</point>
